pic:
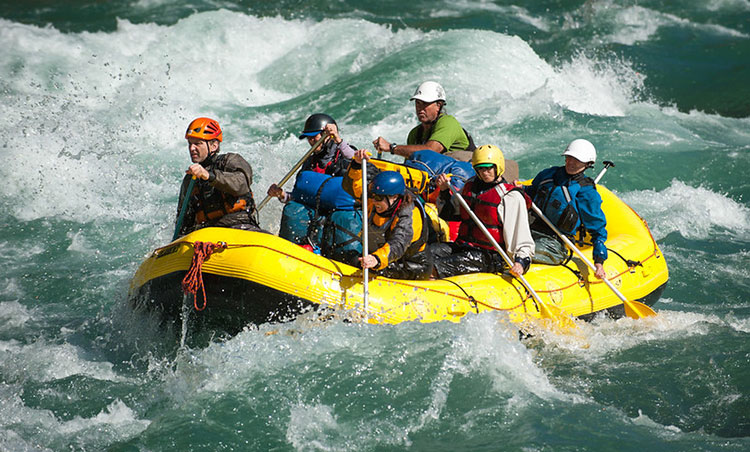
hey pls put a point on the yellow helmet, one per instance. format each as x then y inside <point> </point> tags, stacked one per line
<point>489,154</point>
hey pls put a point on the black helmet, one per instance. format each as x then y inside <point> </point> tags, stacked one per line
<point>315,123</point>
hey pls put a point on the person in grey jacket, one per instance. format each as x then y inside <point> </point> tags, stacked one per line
<point>221,195</point>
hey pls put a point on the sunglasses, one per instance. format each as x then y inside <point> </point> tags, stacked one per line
<point>379,198</point>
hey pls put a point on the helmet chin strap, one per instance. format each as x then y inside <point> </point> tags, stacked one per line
<point>211,153</point>
<point>391,207</point>
<point>390,204</point>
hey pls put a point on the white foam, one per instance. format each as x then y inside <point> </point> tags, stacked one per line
<point>461,8</point>
<point>117,422</point>
<point>13,315</point>
<point>738,324</point>
<point>665,431</point>
<point>605,336</point>
<point>15,413</point>
<point>117,419</point>
<point>44,361</point>
<point>638,24</point>
<point>313,427</point>
<point>79,243</point>
<point>11,288</point>
<point>596,88</point>
<point>484,347</point>
<point>694,212</point>
<point>94,107</point>
<point>489,343</point>
<point>731,5</point>
<point>103,113</point>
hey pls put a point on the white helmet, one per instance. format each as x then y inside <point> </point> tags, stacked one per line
<point>429,92</point>
<point>581,150</point>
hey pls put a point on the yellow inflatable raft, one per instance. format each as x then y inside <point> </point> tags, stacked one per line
<point>252,278</point>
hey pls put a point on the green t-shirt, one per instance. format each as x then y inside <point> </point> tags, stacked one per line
<point>446,131</point>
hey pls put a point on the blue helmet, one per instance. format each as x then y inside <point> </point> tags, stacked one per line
<point>388,183</point>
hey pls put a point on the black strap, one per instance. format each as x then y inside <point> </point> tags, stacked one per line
<point>354,237</point>
<point>472,300</point>
<point>628,262</point>
<point>471,147</point>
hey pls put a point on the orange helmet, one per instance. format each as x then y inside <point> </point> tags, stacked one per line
<point>204,129</point>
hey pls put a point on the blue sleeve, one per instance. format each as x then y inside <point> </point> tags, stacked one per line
<point>593,219</point>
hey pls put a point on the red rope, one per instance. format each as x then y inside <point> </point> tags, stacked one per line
<point>194,278</point>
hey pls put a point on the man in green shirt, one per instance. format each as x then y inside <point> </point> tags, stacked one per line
<point>437,130</point>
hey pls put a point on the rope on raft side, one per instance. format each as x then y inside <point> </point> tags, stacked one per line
<point>193,280</point>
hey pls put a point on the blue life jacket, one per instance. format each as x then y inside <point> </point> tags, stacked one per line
<point>571,203</point>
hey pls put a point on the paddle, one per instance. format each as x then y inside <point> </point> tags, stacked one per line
<point>633,309</point>
<point>183,209</point>
<point>547,311</point>
<point>365,227</point>
<point>294,169</point>
<point>607,164</point>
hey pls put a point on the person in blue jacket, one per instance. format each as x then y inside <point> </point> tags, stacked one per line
<point>568,198</point>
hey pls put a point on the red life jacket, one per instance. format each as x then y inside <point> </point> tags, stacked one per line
<point>322,169</point>
<point>484,205</point>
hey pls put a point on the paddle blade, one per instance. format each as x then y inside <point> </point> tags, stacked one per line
<point>558,317</point>
<point>637,310</point>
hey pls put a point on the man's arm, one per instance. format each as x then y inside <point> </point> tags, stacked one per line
<point>235,179</point>
<point>406,150</point>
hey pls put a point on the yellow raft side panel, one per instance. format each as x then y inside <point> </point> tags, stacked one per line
<point>286,267</point>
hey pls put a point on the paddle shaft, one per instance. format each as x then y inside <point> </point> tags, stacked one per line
<point>183,209</point>
<point>365,235</point>
<point>294,169</point>
<point>590,265</point>
<point>599,176</point>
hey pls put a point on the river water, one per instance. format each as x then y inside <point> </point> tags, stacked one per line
<point>95,100</point>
